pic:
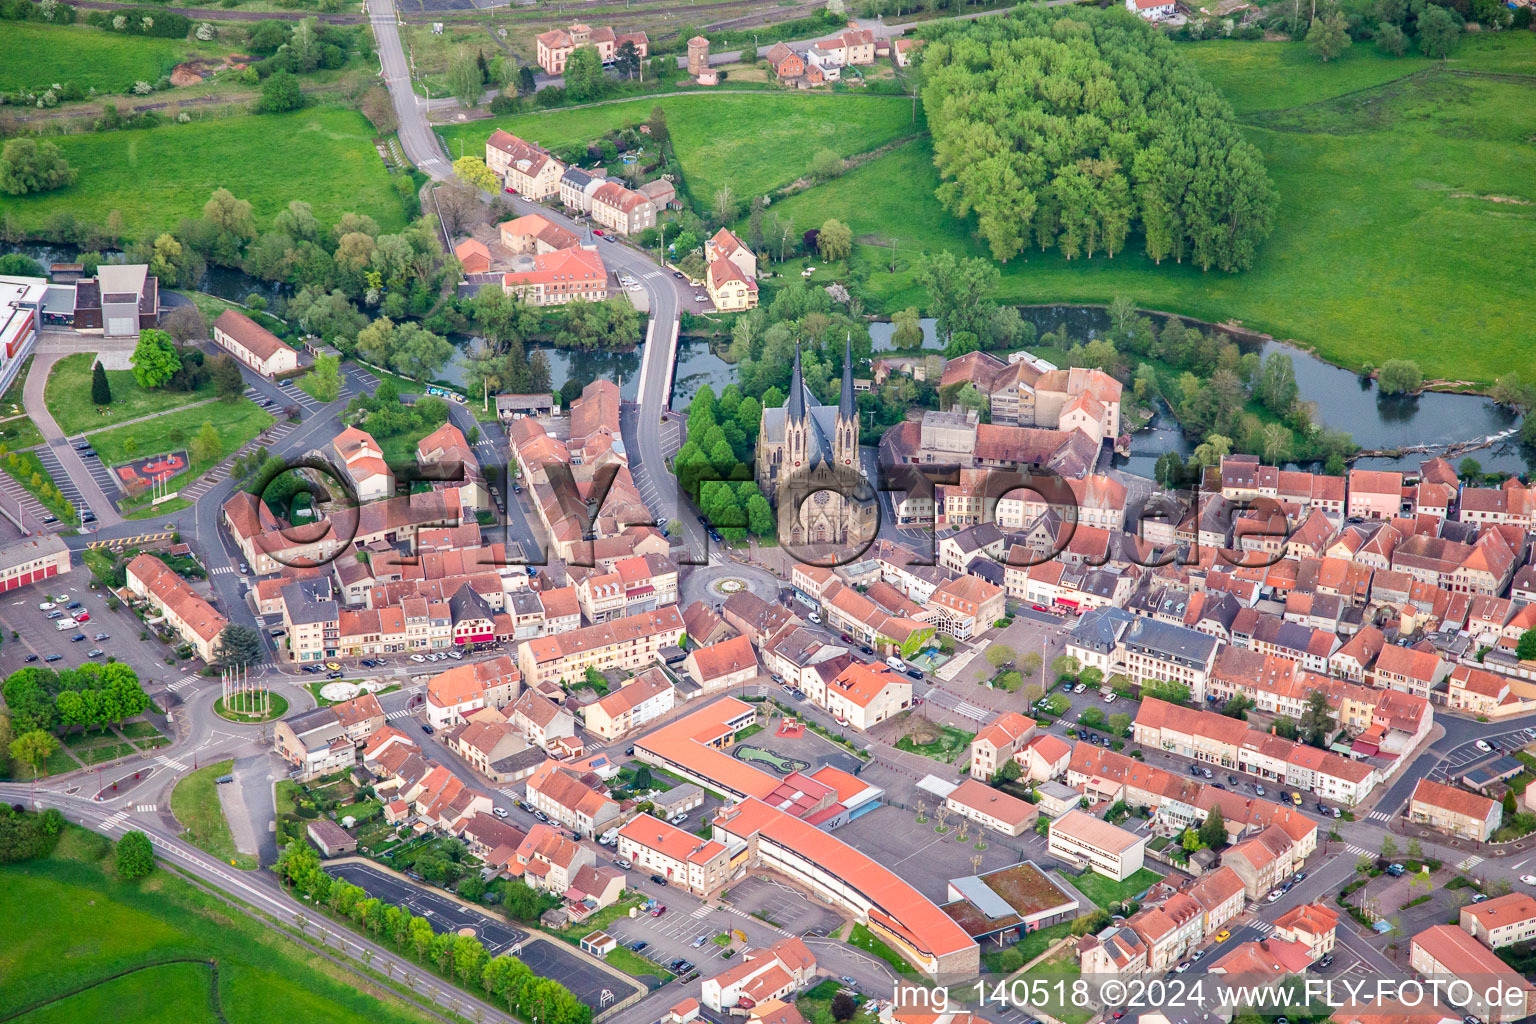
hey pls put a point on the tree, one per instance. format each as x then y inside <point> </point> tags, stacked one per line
<point>279,93</point>
<point>1391,40</point>
<point>1388,847</point>
<point>239,645</point>
<point>1317,722</point>
<point>1439,31</point>
<point>956,293</point>
<point>465,82</point>
<point>826,165</point>
<point>1400,376</point>
<point>32,748</point>
<point>472,170</point>
<point>1008,771</point>
<point>101,390</point>
<point>1328,37</point>
<point>325,379</point>
<point>1001,654</point>
<point>206,445</point>
<point>155,359</point>
<point>844,1006</point>
<point>835,241</point>
<point>1525,649</point>
<point>29,165</point>
<point>626,59</point>
<point>227,381</point>
<point>135,856</point>
<point>184,324</point>
<point>584,78</point>
<point>1213,830</point>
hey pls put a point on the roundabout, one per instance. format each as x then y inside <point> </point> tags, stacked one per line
<point>277,708</point>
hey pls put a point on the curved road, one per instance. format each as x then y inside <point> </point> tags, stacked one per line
<point>642,422</point>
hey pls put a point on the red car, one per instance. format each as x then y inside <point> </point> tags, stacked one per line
<point>509,190</point>
<point>659,911</point>
<point>83,617</point>
<point>598,232</point>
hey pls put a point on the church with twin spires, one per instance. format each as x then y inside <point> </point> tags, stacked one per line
<point>808,457</point>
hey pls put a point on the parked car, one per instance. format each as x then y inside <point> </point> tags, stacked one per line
<point>500,812</point>
<point>636,947</point>
<point>73,605</point>
<point>1080,688</point>
<point>53,657</point>
<point>46,606</point>
<point>418,659</point>
<point>55,615</point>
<point>333,675</point>
<point>82,616</point>
<point>77,638</point>
<point>94,652</point>
<point>659,879</point>
<point>1483,746</point>
<point>30,658</point>
<point>429,731</point>
<point>1395,870</point>
<point>1274,894</point>
<point>1223,935</point>
<point>700,940</point>
<point>658,911</point>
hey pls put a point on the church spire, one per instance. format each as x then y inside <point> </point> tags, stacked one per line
<point>796,404</point>
<point>846,407</point>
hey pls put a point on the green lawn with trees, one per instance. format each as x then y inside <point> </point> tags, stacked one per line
<point>1105,892</point>
<point>751,143</point>
<point>75,922</point>
<point>153,177</point>
<point>37,56</point>
<point>1403,223</point>
<point>233,424</point>
<point>69,397</point>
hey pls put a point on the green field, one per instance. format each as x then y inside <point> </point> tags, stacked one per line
<point>68,396</point>
<point>156,176</point>
<point>195,802</point>
<point>35,56</point>
<point>1387,242</point>
<point>236,423</point>
<point>752,143</point>
<point>73,926</point>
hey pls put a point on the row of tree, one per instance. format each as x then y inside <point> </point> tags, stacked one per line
<point>1072,131</point>
<point>461,958</point>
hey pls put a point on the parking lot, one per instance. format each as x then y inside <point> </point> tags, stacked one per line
<point>783,906</point>
<point>37,636</point>
<point>50,460</point>
<point>547,957</point>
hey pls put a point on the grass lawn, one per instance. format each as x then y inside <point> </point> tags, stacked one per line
<point>816,1006</point>
<point>165,508</point>
<point>1385,244</point>
<point>68,396</point>
<point>109,752</point>
<point>73,923</point>
<point>752,143</point>
<point>1063,968</point>
<point>633,964</point>
<point>35,56</point>
<point>866,940</point>
<point>278,704</point>
<point>940,742</point>
<point>195,802</point>
<point>156,176</point>
<point>1011,958</point>
<point>1105,891</point>
<point>236,423</point>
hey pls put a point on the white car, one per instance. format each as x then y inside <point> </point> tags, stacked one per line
<point>456,655</point>
<point>814,617</point>
<point>1528,879</point>
<point>46,606</point>
<point>501,812</point>
<point>418,659</point>
<point>1483,746</point>
<point>1080,687</point>
<point>1273,895</point>
<point>1109,697</point>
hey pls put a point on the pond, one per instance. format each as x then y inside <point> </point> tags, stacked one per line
<point>1345,401</point>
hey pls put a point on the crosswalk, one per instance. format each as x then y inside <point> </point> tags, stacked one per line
<point>395,716</point>
<point>1263,927</point>
<point>1379,816</point>
<point>171,763</point>
<point>1470,863</point>
<point>1358,851</point>
<point>701,911</point>
<point>178,685</point>
<point>227,570</point>
<point>112,821</point>
<point>971,711</point>
<point>145,808</point>
<point>654,274</point>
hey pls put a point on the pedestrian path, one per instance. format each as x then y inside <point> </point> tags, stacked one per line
<point>702,910</point>
<point>1379,816</point>
<point>176,687</point>
<point>112,821</point>
<point>971,711</point>
<point>145,808</point>
<point>1358,851</point>
<point>1470,863</point>
<point>395,716</point>
<point>1263,927</point>
<point>226,570</point>
<point>220,473</point>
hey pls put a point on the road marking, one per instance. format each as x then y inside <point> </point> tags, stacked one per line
<point>1470,863</point>
<point>112,821</point>
<point>1379,816</point>
<point>395,716</point>
<point>1357,850</point>
<point>171,763</point>
<point>145,808</point>
<point>227,570</point>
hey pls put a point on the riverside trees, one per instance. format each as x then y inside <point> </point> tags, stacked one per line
<point>1075,131</point>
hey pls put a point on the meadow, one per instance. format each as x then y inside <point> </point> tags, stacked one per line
<point>68,396</point>
<point>235,422</point>
<point>156,176</point>
<point>74,925</point>
<point>36,56</point>
<point>1406,224</point>
<point>753,143</point>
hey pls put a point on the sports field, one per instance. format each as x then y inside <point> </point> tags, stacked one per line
<point>753,143</point>
<point>1406,227</point>
<point>156,176</point>
<point>71,926</point>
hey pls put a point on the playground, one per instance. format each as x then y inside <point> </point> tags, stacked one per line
<point>930,660</point>
<point>777,762</point>
<point>138,475</point>
<point>790,728</point>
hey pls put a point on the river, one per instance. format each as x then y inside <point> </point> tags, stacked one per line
<point>1344,400</point>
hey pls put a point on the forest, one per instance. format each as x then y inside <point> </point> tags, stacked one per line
<point>1078,131</point>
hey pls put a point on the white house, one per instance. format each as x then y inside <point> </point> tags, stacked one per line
<point>1152,10</point>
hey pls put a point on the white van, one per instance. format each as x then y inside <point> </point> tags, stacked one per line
<point>896,663</point>
<point>65,623</point>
